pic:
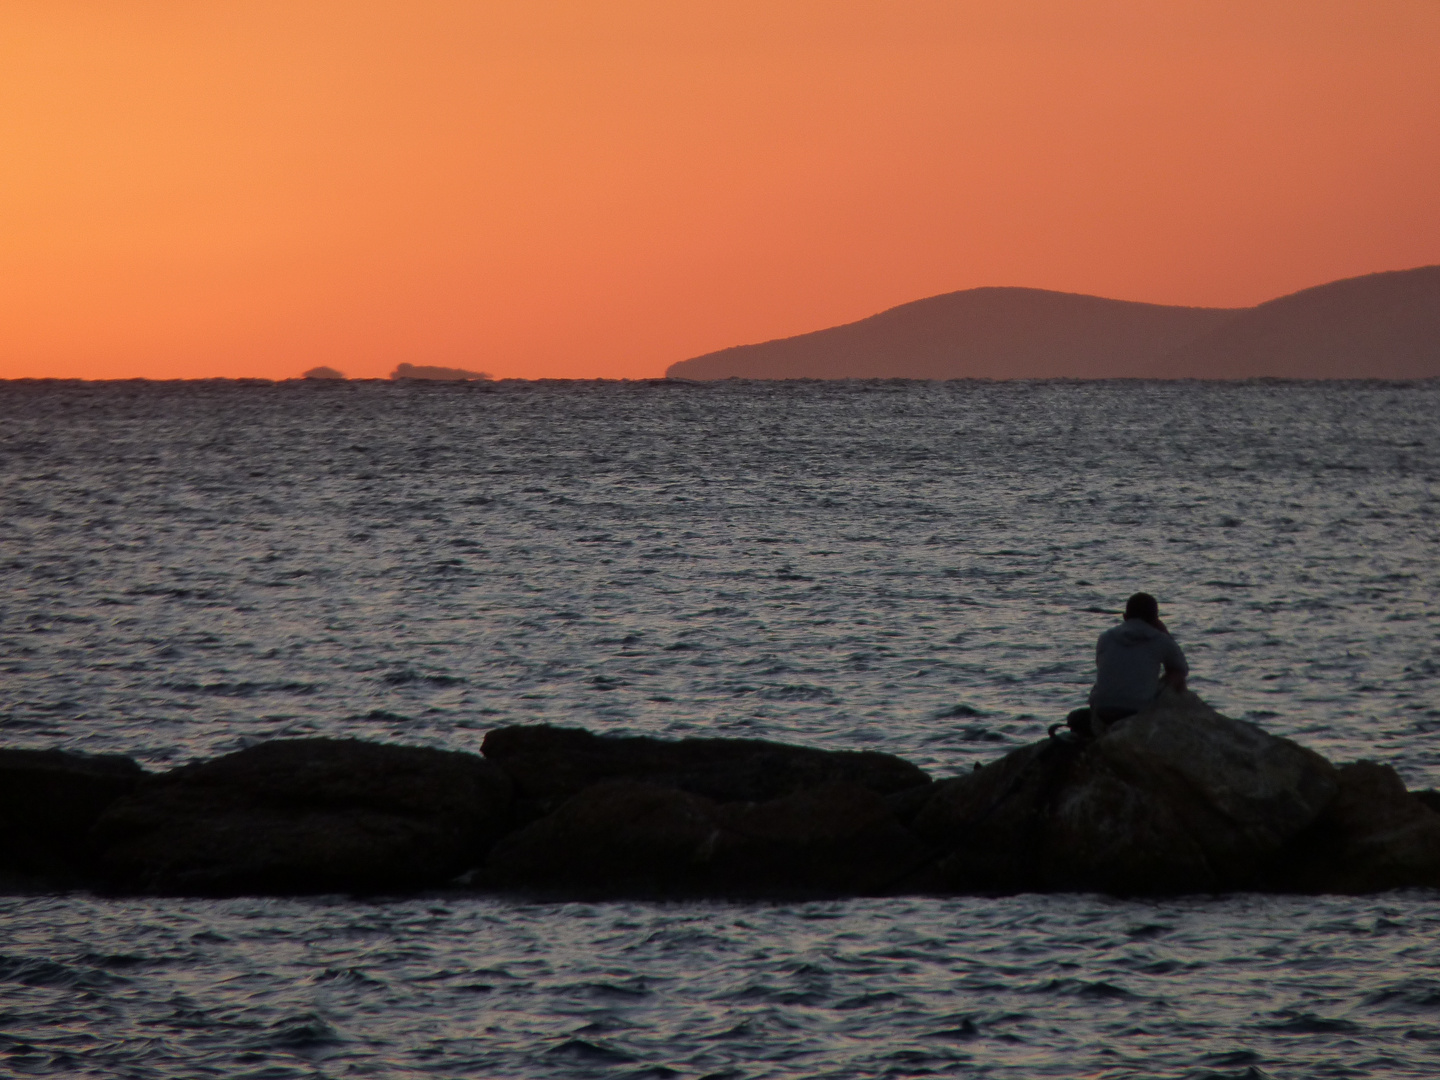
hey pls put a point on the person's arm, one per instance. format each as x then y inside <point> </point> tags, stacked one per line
<point>1176,669</point>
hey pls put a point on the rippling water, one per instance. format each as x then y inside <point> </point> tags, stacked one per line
<point>914,567</point>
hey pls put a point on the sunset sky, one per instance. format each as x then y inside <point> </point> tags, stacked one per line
<point>541,189</point>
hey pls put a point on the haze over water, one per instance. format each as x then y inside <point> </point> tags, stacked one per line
<point>915,567</point>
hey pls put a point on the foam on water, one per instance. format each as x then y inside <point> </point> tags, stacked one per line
<point>914,567</point>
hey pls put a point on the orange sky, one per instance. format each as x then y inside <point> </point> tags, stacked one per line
<point>591,189</point>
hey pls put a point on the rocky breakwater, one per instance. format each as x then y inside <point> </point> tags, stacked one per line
<point>1176,800</point>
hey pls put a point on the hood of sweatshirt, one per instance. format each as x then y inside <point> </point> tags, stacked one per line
<point>1133,631</point>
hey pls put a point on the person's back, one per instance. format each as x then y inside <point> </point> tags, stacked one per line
<point>1129,659</point>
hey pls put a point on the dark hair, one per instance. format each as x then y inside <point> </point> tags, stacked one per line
<point>1142,606</point>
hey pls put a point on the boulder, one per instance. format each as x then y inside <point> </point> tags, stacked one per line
<point>835,839</point>
<point>907,803</point>
<point>1176,799</point>
<point>1182,799</point>
<point>634,838</point>
<point>615,838</point>
<point>1373,835</point>
<point>551,764</point>
<point>988,823</point>
<point>306,816</point>
<point>49,801</point>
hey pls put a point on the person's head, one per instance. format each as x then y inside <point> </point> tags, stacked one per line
<point>1143,606</point>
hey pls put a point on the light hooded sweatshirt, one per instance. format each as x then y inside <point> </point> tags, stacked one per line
<point>1128,662</point>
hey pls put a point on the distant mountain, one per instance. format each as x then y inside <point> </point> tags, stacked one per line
<point>1378,326</point>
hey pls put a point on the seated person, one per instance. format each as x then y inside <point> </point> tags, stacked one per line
<point>1129,659</point>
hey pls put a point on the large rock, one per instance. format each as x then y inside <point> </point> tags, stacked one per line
<point>1373,835</point>
<point>990,823</point>
<point>1183,799</point>
<point>49,801</point>
<point>551,764</point>
<point>1176,799</point>
<point>632,838</point>
<point>617,837</point>
<point>838,838</point>
<point>305,816</point>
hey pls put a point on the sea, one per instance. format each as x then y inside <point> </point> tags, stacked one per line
<point>916,567</point>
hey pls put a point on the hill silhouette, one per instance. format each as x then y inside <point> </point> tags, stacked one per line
<point>1378,326</point>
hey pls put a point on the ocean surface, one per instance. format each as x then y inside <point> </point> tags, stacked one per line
<point>920,568</point>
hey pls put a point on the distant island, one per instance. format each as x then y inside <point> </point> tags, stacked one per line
<point>410,371</point>
<point>437,374</point>
<point>1379,326</point>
